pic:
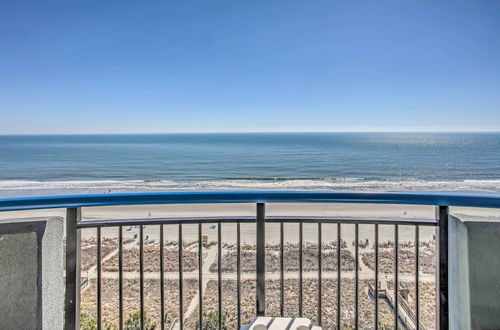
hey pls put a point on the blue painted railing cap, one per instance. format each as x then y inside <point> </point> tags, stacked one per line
<point>210,197</point>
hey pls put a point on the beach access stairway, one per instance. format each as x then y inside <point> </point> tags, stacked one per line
<point>405,313</point>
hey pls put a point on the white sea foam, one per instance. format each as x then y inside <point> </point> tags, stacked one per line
<point>342,184</point>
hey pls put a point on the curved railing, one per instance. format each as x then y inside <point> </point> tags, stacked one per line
<point>74,224</point>
<point>87,200</point>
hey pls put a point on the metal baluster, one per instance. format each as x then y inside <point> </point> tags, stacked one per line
<point>73,281</point>
<point>282,270</point>
<point>200,277</point>
<point>320,281</point>
<point>339,239</point>
<point>417,270</point>
<point>396,275</point>
<point>443,212</point>
<point>261,259</point>
<point>238,272</point>
<point>356,277</point>
<point>219,274</point>
<point>162,280</point>
<point>376,276</point>
<point>300,268</point>
<point>181,283</point>
<point>99,302</point>
<point>141,272</point>
<point>120,277</point>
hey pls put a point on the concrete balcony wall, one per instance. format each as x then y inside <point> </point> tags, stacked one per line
<point>458,275</point>
<point>474,274</point>
<point>31,273</point>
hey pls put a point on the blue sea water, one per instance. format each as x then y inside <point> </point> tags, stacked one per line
<point>250,161</point>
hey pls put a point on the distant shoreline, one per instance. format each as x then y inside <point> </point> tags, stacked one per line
<point>12,188</point>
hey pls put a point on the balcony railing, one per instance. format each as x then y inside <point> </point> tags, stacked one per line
<point>325,250</point>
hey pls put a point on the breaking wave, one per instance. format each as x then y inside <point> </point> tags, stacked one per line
<point>339,184</point>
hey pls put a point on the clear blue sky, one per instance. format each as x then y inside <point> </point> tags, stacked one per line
<point>183,66</point>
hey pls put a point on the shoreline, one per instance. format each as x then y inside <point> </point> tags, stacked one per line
<point>14,188</point>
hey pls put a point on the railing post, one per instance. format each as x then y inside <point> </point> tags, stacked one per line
<point>261,259</point>
<point>443,213</point>
<point>72,298</point>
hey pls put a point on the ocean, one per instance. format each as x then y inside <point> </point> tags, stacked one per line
<point>61,164</point>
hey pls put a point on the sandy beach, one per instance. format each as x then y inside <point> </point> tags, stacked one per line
<point>190,232</point>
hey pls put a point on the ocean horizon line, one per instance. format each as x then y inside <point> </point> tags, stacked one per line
<point>265,132</point>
